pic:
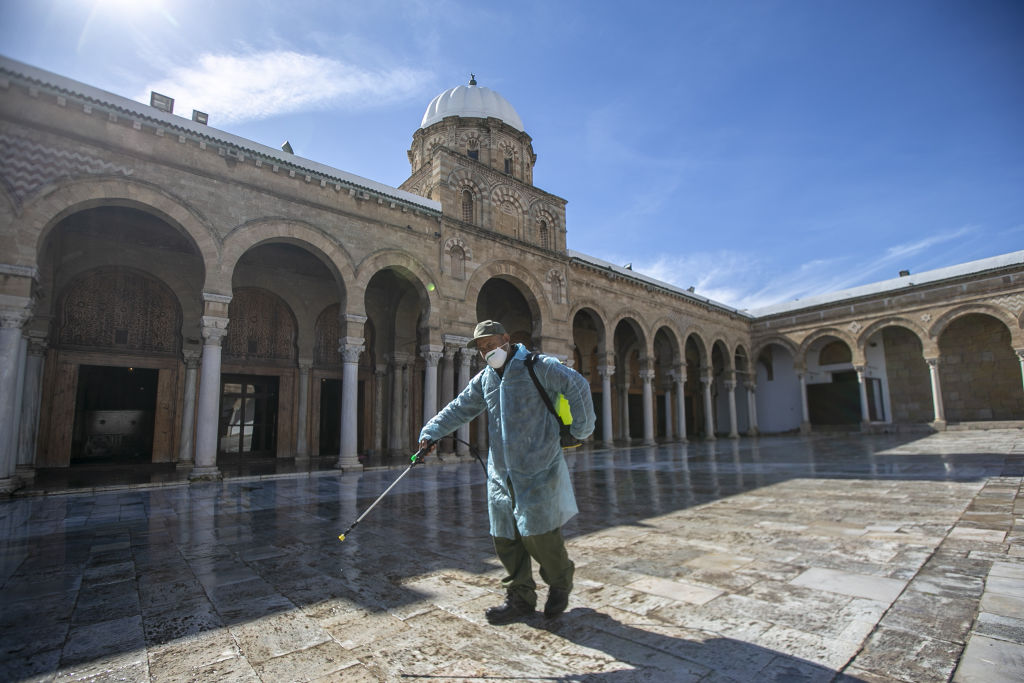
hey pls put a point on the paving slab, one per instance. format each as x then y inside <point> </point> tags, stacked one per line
<point>820,558</point>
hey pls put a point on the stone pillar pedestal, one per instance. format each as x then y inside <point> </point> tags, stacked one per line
<point>214,330</point>
<point>805,419</point>
<point>940,411</point>
<point>186,449</point>
<point>302,437</point>
<point>752,429</point>
<point>709,414</point>
<point>647,377</point>
<point>348,458</point>
<point>680,381</point>
<point>607,433</point>
<point>730,388</point>
<point>465,357</point>
<point>31,399</point>
<point>431,356</point>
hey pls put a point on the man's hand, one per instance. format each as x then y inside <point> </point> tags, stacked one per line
<point>428,445</point>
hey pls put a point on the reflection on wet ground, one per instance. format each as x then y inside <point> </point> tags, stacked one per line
<point>783,558</point>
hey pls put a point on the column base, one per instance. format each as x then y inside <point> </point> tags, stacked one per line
<point>210,473</point>
<point>8,485</point>
<point>184,465</point>
<point>711,437</point>
<point>734,435</point>
<point>805,427</point>
<point>753,431</point>
<point>26,473</point>
<point>349,463</point>
<point>939,425</point>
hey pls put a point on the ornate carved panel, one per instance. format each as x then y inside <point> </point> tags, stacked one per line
<point>262,327</point>
<point>328,330</point>
<point>120,310</point>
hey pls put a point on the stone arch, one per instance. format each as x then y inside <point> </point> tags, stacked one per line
<point>45,212</point>
<point>316,241</point>
<point>703,348</point>
<point>784,342</point>
<point>677,336</point>
<point>403,262</point>
<point>726,352</point>
<point>817,335</point>
<point>997,312</point>
<point>892,321</point>
<point>542,212</point>
<point>531,288</point>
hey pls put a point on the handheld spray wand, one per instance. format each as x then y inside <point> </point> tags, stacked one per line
<point>416,459</point>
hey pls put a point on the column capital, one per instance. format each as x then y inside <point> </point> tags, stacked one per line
<point>454,340</point>
<point>191,357</point>
<point>305,364</point>
<point>750,385</point>
<point>466,355</point>
<point>646,375</point>
<point>606,370</point>
<point>431,354</point>
<point>1020,354</point>
<point>350,349</point>
<point>932,362</point>
<point>215,328</point>
<point>730,385</point>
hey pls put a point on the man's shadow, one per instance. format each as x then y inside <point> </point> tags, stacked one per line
<point>654,657</point>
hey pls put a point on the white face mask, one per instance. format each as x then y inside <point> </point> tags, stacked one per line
<point>496,358</point>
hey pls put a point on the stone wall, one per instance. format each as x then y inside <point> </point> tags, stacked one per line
<point>979,371</point>
<point>907,373</point>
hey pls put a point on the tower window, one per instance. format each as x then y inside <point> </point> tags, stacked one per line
<point>467,206</point>
<point>474,154</point>
<point>544,239</point>
<point>508,165</point>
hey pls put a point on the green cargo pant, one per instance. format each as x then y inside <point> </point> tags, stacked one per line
<point>547,549</point>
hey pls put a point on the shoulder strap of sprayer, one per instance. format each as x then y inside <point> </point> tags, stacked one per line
<point>531,360</point>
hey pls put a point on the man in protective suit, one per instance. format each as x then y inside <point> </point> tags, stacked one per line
<point>529,494</point>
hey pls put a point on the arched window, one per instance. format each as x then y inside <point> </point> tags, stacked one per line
<point>467,206</point>
<point>508,164</point>
<point>458,263</point>
<point>544,238</point>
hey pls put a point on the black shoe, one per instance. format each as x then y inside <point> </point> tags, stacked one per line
<point>515,609</point>
<point>558,600</point>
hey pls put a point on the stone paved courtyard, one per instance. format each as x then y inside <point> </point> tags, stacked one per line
<point>823,558</point>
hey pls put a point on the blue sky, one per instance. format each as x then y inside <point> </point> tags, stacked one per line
<point>760,151</point>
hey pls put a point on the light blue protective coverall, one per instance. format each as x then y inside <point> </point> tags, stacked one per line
<point>525,452</point>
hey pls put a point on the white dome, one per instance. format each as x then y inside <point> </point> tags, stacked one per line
<point>472,101</point>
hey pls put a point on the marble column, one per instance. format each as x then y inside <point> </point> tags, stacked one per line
<point>752,429</point>
<point>865,414</point>
<point>624,432</point>
<point>32,398</point>
<point>709,415</point>
<point>214,330</point>
<point>395,419</point>
<point>1020,357</point>
<point>668,411</point>
<point>448,389</point>
<point>431,356</point>
<point>351,348</point>
<point>380,383</point>
<point>14,442</point>
<point>302,437</point>
<point>680,380</point>
<point>186,449</point>
<point>940,411</point>
<point>607,434</point>
<point>465,357</point>
<point>647,378</point>
<point>805,414</point>
<point>730,388</point>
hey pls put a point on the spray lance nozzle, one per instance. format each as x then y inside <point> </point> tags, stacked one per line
<point>416,459</point>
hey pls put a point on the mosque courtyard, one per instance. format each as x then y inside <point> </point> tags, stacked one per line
<point>818,558</point>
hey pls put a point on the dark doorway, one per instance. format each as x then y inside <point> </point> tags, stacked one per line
<point>114,409</point>
<point>330,417</point>
<point>835,403</point>
<point>248,416</point>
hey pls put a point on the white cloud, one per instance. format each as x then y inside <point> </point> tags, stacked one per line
<point>233,88</point>
<point>913,248</point>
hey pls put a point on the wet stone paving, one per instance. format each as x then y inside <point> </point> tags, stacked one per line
<point>821,558</point>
